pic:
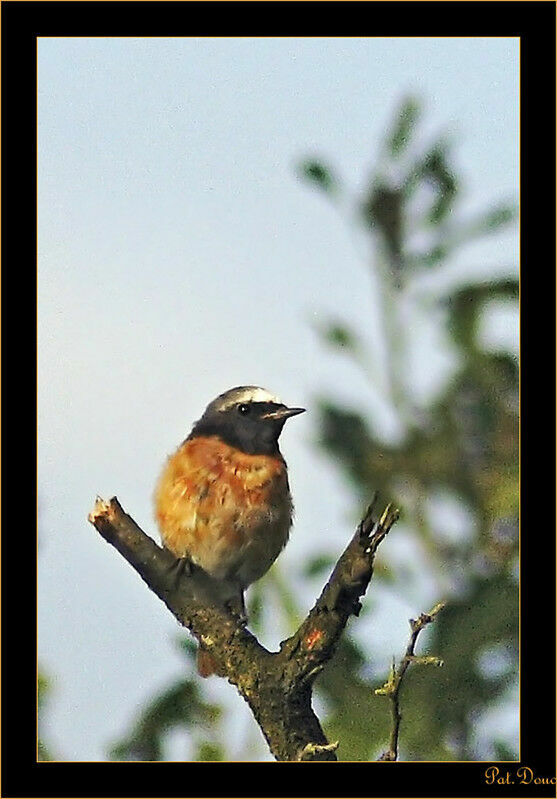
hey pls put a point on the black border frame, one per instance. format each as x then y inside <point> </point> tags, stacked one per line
<point>22,22</point>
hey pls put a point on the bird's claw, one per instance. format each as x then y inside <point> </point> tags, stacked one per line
<point>180,567</point>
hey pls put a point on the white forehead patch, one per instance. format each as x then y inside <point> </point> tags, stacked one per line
<point>244,394</point>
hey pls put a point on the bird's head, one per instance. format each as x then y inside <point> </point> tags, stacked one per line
<point>247,417</point>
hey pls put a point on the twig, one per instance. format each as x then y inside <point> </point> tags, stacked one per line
<point>392,687</point>
<point>277,686</point>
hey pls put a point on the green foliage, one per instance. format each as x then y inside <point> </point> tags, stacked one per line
<point>383,210</point>
<point>440,709</point>
<point>208,751</point>
<point>338,336</point>
<point>465,444</point>
<point>44,688</point>
<point>318,565</point>
<point>404,125</point>
<point>386,206</point>
<point>436,172</point>
<point>357,718</point>
<point>180,706</point>
<point>320,175</point>
<point>465,307</point>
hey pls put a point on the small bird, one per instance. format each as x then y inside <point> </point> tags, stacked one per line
<point>223,500</point>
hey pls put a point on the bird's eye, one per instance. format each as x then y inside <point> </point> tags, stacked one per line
<point>243,409</point>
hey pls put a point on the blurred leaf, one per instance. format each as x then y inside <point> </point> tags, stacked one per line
<point>274,591</point>
<point>383,208</point>
<point>466,303</point>
<point>187,644</point>
<point>357,718</point>
<point>43,752</point>
<point>448,705</point>
<point>346,435</point>
<point>277,579</point>
<point>503,751</point>
<point>382,571</point>
<point>319,175</point>
<point>436,255</point>
<point>207,751</point>
<point>318,564</point>
<point>180,705</point>
<point>338,335</point>
<point>44,688</point>
<point>406,120</point>
<point>433,169</point>
<point>255,606</point>
<point>450,238</point>
<point>436,170</point>
<point>499,217</point>
<point>489,222</point>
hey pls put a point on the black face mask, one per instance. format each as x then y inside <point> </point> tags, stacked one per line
<point>252,427</point>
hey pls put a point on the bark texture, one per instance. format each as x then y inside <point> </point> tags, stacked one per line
<point>277,686</point>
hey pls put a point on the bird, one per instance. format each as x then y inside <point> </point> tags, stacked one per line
<point>223,502</point>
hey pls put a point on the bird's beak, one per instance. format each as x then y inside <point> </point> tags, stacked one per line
<point>283,413</point>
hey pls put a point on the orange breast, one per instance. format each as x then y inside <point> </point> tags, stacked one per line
<point>227,511</point>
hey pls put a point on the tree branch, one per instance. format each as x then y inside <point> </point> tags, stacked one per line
<point>276,686</point>
<point>393,685</point>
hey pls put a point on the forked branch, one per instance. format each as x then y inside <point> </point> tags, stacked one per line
<point>392,687</point>
<point>277,686</point>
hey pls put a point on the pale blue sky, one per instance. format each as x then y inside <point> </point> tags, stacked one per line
<point>179,255</point>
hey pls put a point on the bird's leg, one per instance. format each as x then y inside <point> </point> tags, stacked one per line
<point>237,606</point>
<point>180,567</point>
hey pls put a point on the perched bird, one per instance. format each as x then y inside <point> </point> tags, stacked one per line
<point>223,501</point>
